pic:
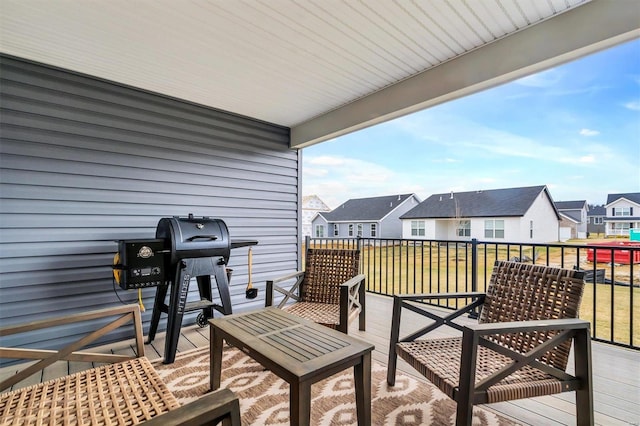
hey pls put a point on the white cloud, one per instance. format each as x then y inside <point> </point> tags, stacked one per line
<point>542,79</point>
<point>590,159</point>
<point>344,178</point>
<point>633,105</point>
<point>478,140</point>
<point>327,160</point>
<point>316,172</point>
<point>589,132</point>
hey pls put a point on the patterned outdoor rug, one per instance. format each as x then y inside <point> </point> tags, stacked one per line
<point>264,397</point>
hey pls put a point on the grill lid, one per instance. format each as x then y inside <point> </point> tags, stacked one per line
<point>191,237</point>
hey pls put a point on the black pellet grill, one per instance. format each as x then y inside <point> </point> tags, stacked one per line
<point>184,248</point>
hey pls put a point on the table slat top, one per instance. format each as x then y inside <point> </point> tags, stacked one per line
<point>297,345</point>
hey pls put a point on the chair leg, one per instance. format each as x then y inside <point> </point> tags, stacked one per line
<point>268,299</point>
<point>393,339</point>
<point>466,383</point>
<point>464,414</point>
<point>584,395</point>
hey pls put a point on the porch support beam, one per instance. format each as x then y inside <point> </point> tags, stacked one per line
<point>592,27</point>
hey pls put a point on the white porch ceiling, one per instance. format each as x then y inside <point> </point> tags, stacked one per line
<point>321,67</point>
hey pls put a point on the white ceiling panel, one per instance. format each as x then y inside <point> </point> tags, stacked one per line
<point>321,67</point>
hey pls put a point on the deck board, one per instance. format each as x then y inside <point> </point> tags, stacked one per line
<point>616,372</point>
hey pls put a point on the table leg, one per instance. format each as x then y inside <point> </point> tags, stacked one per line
<point>300,403</point>
<point>362,377</point>
<point>215,357</point>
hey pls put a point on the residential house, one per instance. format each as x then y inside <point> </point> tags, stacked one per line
<point>622,214</point>
<point>376,217</point>
<point>574,219</point>
<point>595,219</point>
<point>506,215</point>
<point>311,205</point>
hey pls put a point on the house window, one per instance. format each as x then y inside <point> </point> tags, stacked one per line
<point>351,229</point>
<point>359,230</point>
<point>336,230</point>
<point>494,228</point>
<point>373,230</point>
<point>319,231</point>
<point>530,229</point>
<point>598,220</point>
<point>622,211</point>
<point>417,228</point>
<point>464,228</point>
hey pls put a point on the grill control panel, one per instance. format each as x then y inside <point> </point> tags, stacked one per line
<point>139,263</point>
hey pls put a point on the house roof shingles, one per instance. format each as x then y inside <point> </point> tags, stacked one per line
<point>489,203</point>
<point>570,205</point>
<point>597,211</point>
<point>631,196</point>
<point>374,208</point>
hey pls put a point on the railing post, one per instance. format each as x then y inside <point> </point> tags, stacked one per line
<point>474,273</point>
<point>474,264</point>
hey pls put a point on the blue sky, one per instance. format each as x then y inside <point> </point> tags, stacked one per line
<point>574,128</point>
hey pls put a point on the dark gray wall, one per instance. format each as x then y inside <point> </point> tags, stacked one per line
<point>85,162</point>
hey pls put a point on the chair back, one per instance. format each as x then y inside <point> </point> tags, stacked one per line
<point>325,270</point>
<point>523,292</point>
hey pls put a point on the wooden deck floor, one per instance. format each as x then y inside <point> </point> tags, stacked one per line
<point>616,374</point>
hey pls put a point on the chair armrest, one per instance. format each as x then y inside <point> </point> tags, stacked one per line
<point>525,326</point>
<point>286,277</point>
<point>208,409</point>
<point>399,302</point>
<point>422,296</point>
<point>272,287</point>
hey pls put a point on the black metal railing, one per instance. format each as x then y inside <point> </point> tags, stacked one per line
<point>611,300</point>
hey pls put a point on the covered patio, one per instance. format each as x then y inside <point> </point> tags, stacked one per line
<point>115,114</point>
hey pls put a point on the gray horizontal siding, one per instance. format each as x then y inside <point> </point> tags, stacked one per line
<point>85,162</point>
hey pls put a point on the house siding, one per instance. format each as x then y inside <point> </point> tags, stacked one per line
<point>391,225</point>
<point>546,226</point>
<point>85,162</point>
<point>613,222</point>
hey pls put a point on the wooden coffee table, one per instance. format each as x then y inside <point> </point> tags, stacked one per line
<point>299,351</point>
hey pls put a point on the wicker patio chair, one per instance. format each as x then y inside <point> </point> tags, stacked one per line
<point>518,349</point>
<point>128,391</point>
<point>329,291</point>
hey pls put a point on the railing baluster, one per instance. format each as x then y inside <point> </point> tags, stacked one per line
<point>613,295</point>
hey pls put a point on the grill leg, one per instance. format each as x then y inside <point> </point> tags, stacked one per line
<point>161,294</point>
<point>177,302</point>
<point>223,286</point>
